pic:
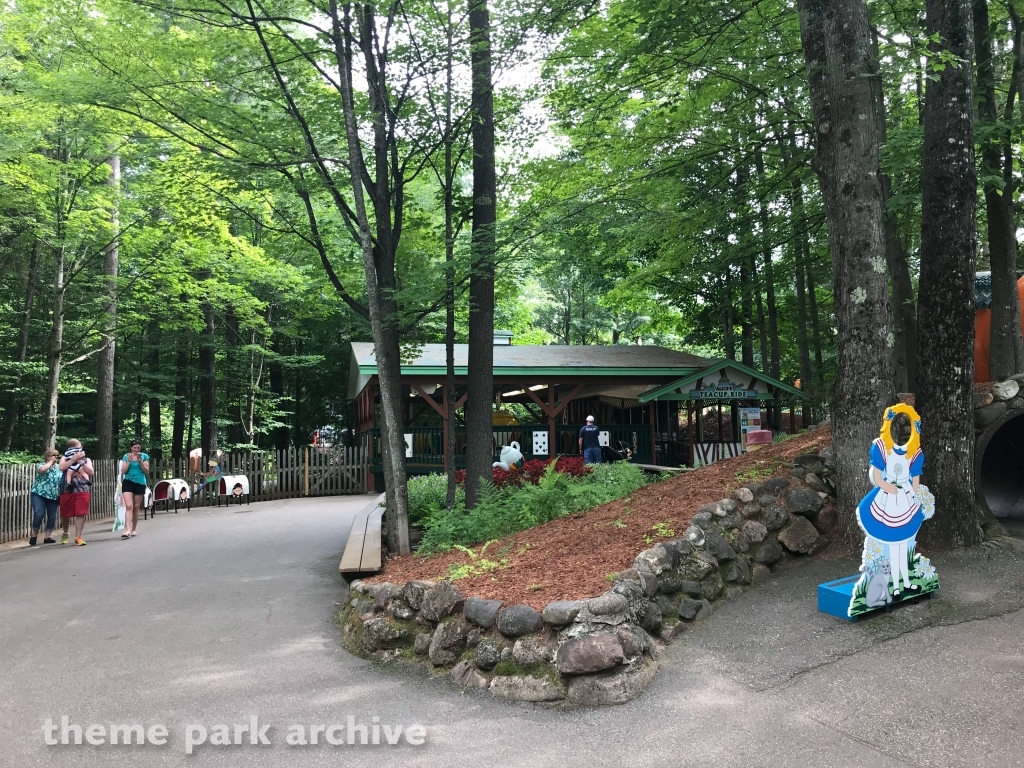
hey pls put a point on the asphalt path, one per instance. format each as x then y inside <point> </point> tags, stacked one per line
<point>215,616</point>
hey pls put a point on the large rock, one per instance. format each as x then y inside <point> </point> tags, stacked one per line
<point>825,519</point>
<point>608,603</point>
<point>688,608</point>
<point>651,619</point>
<point>533,649</point>
<point>799,536</point>
<point>751,510</point>
<point>808,460</point>
<point>381,594</point>
<point>670,582</point>
<point>985,417</point>
<point>702,520</point>
<point>657,559</point>
<point>766,500</point>
<point>422,643</point>
<point>634,640</point>
<point>774,517</point>
<point>441,600</point>
<point>691,588</point>
<point>717,546</point>
<point>466,675</point>
<point>1005,390</point>
<point>733,520</point>
<point>528,688</point>
<point>636,600</point>
<point>759,574</point>
<point>589,653</point>
<point>738,540</point>
<point>561,612</point>
<point>774,485</point>
<point>481,612</point>
<point>754,531</point>
<point>519,620</point>
<point>401,611</point>
<point>610,688</point>
<point>448,642</point>
<point>739,571</point>
<point>413,592</point>
<point>698,565</point>
<point>743,495</point>
<point>802,501</point>
<point>754,488</point>
<point>379,634</point>
<point>712,586</point>
<point>724,507</point>
<point>815,483</point>
<point>487,653</point>
<point>769,552</point>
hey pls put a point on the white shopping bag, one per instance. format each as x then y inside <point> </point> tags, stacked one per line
<point>119,509</point>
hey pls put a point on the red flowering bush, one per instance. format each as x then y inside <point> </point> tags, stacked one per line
<point>532,471</point>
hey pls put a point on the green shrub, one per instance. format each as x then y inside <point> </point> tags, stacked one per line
<point>426,497</point>
<point>502,512</point>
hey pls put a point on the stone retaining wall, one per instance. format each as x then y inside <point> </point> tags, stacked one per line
<point>601,650</point>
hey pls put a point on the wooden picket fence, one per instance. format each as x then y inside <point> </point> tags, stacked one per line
<point>303,471</point>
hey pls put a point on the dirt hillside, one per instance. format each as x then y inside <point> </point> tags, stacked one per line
<point>571,557</point>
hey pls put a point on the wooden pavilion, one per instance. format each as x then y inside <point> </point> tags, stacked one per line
<point>636,394</point>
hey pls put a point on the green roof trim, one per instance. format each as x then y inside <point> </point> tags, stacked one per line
<point>668,392</point>
<point>423,370</point>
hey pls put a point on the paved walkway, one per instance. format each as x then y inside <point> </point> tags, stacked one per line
<point>215,615</point>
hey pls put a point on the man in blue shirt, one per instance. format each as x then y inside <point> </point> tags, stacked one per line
<point>590,442</point>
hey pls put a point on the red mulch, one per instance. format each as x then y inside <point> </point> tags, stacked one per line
<point>570,558</point>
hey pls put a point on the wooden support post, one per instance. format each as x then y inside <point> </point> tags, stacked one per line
<point>719,421</point>
<point>447,426</point>
<point>552,448</point>
<point>654,432</point>
<point>305,455</point>
<point>792,417</point>
<point>689,428</point>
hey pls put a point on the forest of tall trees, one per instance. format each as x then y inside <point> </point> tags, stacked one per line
<point>201,204</point>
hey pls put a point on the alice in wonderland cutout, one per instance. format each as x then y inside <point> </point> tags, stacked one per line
<point>891,514</point>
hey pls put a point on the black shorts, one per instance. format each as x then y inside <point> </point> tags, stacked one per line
<point>127,486</point>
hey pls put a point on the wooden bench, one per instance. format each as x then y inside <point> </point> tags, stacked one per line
<point>362,551</point>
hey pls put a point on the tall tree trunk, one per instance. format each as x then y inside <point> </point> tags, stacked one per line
<point>451,443</point>
<point>108,326</point>
<point>13,397</point>
<point>379,279</point>
<point>231,369</point>
<point>480,375</point>
<point>56,344</point>
<point>945,392</point>
<point>728,323</point>
<point>1006,353</point>
<point>904,313</point>
<point>768,273</point>
<point>803,348</point>
<point>181,393</point>
<point>156,438</point>
<point>837,47</point>
<point>208,379</point>
<point>280,434</point>
<point>818,370</point>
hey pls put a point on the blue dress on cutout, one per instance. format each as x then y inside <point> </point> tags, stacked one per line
<point>873,526</point>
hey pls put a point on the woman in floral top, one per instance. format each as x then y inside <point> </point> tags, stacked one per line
<point>45,497</point>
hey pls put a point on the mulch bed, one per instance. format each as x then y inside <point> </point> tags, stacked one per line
<point>571,557</point>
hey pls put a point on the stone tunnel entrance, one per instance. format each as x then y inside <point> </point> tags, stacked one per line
<point>999,465</point>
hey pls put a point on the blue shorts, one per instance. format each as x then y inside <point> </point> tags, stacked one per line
<point>592,455</point>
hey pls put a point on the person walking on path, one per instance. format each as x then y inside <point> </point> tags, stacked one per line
<point>590,442</point>
<point>135,470</point>
<point>45,497</point>
<point>74,501</point>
